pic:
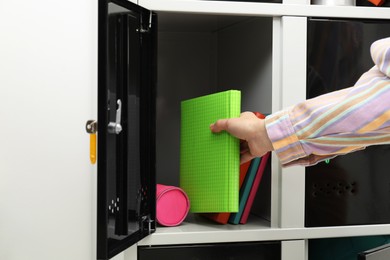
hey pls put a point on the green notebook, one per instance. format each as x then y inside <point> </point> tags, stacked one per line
<point>210,162</point>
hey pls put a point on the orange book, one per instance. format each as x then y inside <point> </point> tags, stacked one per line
<point>377,2</point>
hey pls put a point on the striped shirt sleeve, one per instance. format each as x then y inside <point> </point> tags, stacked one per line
<point>339,122</point>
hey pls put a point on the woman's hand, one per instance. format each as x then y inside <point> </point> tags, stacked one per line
<point>250,130</point>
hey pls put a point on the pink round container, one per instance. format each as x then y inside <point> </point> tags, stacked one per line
<point>172,205</point>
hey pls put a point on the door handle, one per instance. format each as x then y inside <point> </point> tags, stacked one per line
<point>116,127</point>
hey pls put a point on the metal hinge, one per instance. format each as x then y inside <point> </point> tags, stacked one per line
<point>147,221</point>
<point>149,26</point>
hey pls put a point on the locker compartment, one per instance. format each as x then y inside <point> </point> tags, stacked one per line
<point>201,54</point>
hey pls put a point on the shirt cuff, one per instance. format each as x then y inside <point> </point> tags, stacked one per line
<point>284,140</point>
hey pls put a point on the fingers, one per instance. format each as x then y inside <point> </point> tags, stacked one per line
<point>243,147</point>
<point>219,126</point>
<point>229,125</point>
<point>246,157</point>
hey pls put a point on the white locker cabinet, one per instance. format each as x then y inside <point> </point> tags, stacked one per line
<point>48,85</point>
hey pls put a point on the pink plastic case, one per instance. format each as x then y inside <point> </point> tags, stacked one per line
<point>172,205</point>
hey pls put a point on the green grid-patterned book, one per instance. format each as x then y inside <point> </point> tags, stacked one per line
<point>210,162</point>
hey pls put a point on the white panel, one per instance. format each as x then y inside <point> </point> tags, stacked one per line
<point>293,197</point>
<point>292,80</point>
<point>301,2</point>
<point>276,106</point>
<point>294,30</point>
<point>293,8</point>
<point>294,250</point>
<point>119,256</point>
<point>256,230</point>
<point>131,253</point>
<point>47,70</point>
<point>93,223</point>
<point>277,64</point>
<point>94,116</point>
<point>289,73</point>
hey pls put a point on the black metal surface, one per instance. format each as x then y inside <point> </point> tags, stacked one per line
<point>126,160</point>
<point>223,251</point>
<point>354,188</point>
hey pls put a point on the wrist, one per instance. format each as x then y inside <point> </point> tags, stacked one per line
<point>266,141</point>
<point>259,143</point>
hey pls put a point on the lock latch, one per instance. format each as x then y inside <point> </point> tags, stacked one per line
<point>91,127</point>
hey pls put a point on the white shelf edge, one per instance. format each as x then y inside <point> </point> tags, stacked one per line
<point>265,9</point>
<point>241,234</point>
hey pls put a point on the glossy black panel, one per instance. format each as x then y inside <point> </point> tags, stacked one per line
<point>350,189</point>
<point>126,121</point>
<point>354,188</point>
<point>231,251</point>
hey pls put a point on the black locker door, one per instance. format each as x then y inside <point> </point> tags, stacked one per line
<point>126,126</point>
<point>352,189</point>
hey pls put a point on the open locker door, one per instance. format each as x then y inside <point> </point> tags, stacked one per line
<point>126,126</point>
